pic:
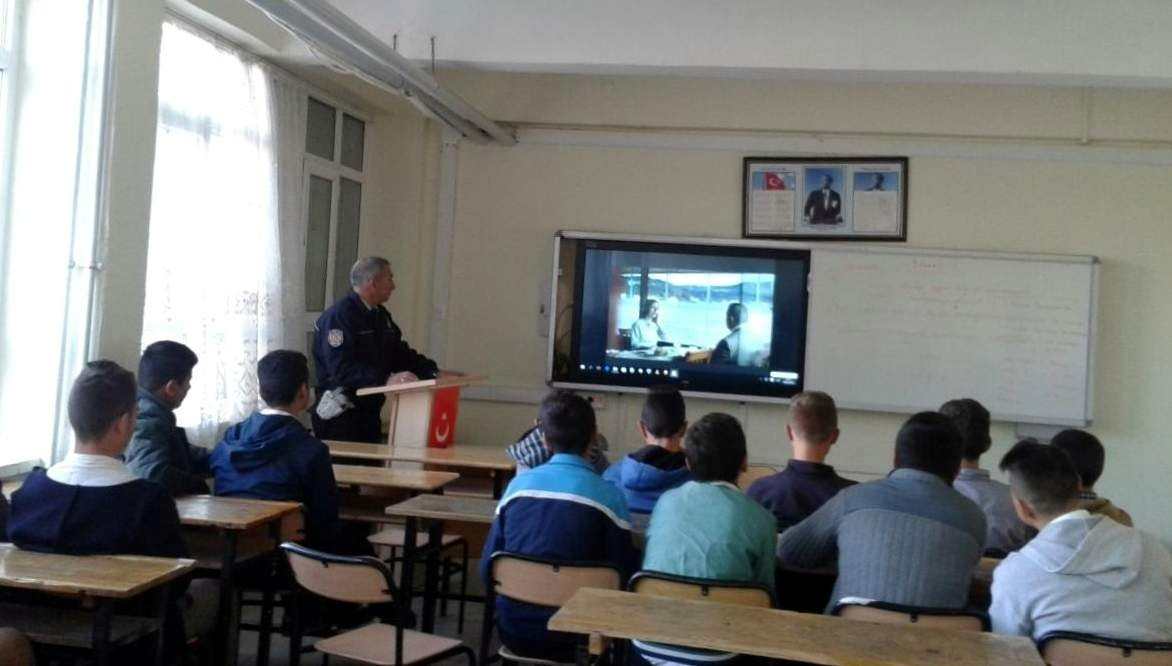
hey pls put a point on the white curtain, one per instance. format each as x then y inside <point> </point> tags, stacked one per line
<point>288,104</point>
<point>215,253</point>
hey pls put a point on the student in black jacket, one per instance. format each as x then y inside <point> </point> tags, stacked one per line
<point>159,450</point>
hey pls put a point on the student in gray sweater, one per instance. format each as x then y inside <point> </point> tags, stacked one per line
<point>1082,573</point>
<point>907,539</point>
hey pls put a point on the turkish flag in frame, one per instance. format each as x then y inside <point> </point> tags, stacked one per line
<point>445,406</point>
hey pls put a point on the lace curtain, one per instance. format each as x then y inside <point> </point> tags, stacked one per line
<point>215,252</point>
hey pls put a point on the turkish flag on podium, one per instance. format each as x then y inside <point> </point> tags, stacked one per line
<point>445,407</point>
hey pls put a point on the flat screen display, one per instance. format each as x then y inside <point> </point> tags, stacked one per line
<point>719,319</point>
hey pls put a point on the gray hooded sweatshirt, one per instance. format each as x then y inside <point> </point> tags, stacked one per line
<point>1086,574</point>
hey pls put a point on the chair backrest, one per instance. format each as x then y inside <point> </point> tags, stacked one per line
<point>546,582</point>
<point>1073,649</point>
<point>359,580</point>
<point>752,473</point>
<point>884,613</point>
<point>699,589</point>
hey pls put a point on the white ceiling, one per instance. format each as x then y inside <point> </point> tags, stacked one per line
<point>1046,42</point>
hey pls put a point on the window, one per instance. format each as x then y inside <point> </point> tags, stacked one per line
<point>53,73</point>
<point>213,258</point>
<point>335,151</point>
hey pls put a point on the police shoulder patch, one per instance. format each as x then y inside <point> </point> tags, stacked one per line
<point>335,337</point>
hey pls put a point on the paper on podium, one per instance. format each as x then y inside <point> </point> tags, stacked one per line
<point>423,385</point>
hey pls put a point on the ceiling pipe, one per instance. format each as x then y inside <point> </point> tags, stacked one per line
<point>338,38</point>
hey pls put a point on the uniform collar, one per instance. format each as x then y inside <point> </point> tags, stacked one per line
<point>914,475</point>
<point>570,459</point>
<point>353,296</point>
<point>269,411</point>
<point>153,406</point>
<point>809,468</point>
<point>969,474</point>
<point>90,470</point>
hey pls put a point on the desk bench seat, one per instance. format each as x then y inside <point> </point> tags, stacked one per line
<point>71,628</point>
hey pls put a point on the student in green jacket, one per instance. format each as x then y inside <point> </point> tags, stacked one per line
<point>708,528</point>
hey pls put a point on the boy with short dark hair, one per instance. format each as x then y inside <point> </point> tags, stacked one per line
<point>659,465</point>
<point>561,510</point>
<point>1086,451</point>
<point>708,528</point>
<point>159,450</point>
<point>271,456</point>
<point>90,503</point>
<point>907,539</point>
<point>1006,532</point>
<point>1082,572</point>
<point>807,482</point>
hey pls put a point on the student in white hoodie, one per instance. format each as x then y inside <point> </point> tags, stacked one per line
<point>1082,573</point>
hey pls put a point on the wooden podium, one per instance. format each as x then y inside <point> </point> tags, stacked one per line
<point>411,405</point>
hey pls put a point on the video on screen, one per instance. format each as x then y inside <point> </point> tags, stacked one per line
<point>724,320</point>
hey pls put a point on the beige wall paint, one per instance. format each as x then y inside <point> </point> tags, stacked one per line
<point>511,200</point>
<point>135,105</point>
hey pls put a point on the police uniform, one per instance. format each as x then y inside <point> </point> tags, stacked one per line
<point>356,346</point>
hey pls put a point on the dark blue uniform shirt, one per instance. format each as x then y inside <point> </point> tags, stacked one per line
<point>797,491</point>
<point>355,346</point>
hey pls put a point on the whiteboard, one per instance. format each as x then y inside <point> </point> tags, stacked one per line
<point>905,330</point>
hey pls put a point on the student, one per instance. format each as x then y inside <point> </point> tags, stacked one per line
<point>1088,455</point>
<point>270,455</point>
<point>1082,573</point>
<point>660,464</point>
<point>807,482</point>
<point>1006,531</point>
<point>90,503</point>
<point>530,451</point>
<point>561,510</point>
<point>708,528</point>
<point>907,539</point>
<point>159,450</point>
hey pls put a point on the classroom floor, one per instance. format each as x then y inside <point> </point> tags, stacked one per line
<point>445,626</point>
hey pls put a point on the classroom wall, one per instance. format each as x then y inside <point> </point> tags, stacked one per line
<point>510,201</point>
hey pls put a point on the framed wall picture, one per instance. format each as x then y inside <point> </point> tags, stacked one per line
<point>839,198</point>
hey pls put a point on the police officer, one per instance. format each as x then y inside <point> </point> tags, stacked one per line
<point>356,344</point>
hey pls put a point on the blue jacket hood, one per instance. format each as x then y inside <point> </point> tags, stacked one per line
<point>257,440</point>
<point>643,483</point>
<point>635,475</point>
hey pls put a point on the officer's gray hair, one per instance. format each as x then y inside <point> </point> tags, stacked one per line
<point>366,269</point>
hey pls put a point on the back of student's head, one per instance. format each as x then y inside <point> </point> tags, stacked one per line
<point>972,420</point>
<point>664,413</point>
<point>813,416</point>
<point>164,361</point>
<point>930,443</point>
<point>1085,451</point>
<point>715,448</point>
<point>281,375</point>
<point>1042,476</point>
<point>567,421</point>
<point>101,394</point>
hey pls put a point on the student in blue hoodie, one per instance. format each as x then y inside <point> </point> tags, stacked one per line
<point>271,456</point>
<point>660,465</point>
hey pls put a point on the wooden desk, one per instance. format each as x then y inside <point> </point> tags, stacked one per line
<point>359,451</point>
<point>242,528</point>
<point>485,458</point>
<point>102,578</point>
<point>817,639</point>
<point>435,509</point>
<point>415,480</point>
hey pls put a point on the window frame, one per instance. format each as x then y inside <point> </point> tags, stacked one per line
<point>333,171</point>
